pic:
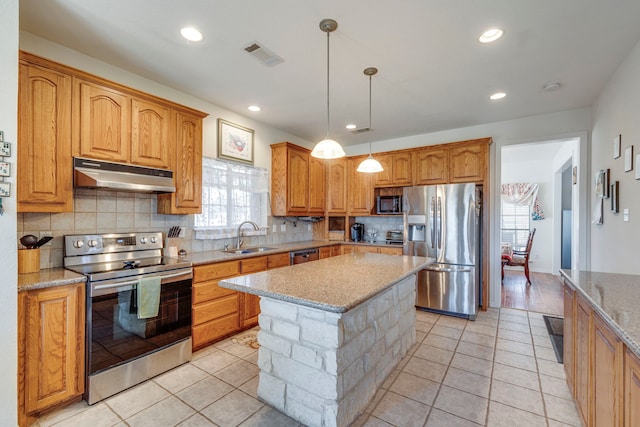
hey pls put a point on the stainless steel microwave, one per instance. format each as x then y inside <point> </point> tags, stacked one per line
<point>389,205</point>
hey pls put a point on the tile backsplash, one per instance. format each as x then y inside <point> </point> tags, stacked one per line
<point>99,212</point>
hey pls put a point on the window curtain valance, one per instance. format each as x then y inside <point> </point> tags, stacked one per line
<point>524,194</point>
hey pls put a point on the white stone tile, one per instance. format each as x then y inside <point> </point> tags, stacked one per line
<point>439,341</point>
<point>476,338</point>
<point>462,404</point>
<point>513,326</point>
<point>63,413</point>
<point>475,350</point>
<point>512,312</point>
<point>144,395</point>
<point>516,376</point>
<point>425,369</point>
<point>215,361</point>
<point>516,360</point>
<point>251,387</point>
<point>98,415</point>
<point>416,388</point>
<point>540,330</point>
<point>446,331</point>
<point>376,422</point>
<point>197,420</point>
<point>472,364</point>
<point>204,393</point>
<point>546,354</point>
<point>514,336</point>
<point>438,418</point>
<point>518,397</point>
<point>550,368</point>
<point>467,381</point>
<point>423,327</point>
<point>268,416</point>
<point>400,411</point>
<point>515,347</point>
<point>562,410</point>
<point>555,386</point>
<point>168,412</point>
<point>540,341</point>
<point>232,409</point>
<point>238,373</point>
<point>180,377</point>
<point>434,354</point>
<point>506,416</point>
<point>481,329</point>
<point>452,322</point>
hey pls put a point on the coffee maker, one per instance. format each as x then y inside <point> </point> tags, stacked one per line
<point>357,232</point>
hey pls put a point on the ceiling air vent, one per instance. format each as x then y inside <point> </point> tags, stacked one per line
<point>263,54</point>
<point>361,130</point>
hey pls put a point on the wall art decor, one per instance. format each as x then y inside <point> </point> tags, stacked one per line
<point>615,203</point>
<point>235,142</point>
<point>637,168</point>
<point>616,146</point>
<point>628,159</point>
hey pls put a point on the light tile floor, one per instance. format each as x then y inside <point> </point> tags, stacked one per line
<point>497,371</point>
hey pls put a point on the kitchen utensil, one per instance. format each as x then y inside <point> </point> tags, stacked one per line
<point>29,241</point>
<point>43,241</point>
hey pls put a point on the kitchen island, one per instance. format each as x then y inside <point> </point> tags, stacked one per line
<point>331,331</point>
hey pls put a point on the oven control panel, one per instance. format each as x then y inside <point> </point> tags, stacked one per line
<point>86,244</point>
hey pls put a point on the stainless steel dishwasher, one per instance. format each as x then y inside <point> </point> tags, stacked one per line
<point>303,255</point>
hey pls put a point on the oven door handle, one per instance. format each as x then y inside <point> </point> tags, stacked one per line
<point>135,282</point>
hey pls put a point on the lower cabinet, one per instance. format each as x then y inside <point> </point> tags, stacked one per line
<point>631,399</point>
<point>51,334</point>
<point>389,250</point>
<point>607,373</point>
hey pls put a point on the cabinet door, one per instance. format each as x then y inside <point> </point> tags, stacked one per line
<point>367,249</point>
<point>337,186</point>
<point>631,400</point>
<point>390,250</point>
<point>431,166</point>
<point>102,123</point>
<point>336,250</point>
<point>402,171</point>
<point>187,168</point>
<point>360,194</point>
<point>607,365</point>
<point>325,252</point>
<point>317,184</point>
<point>278,260</point>
<point>53,322</point>
<point>150,131</point>
<point>467,163</point>
<point>298,181</point>
<point>44,181</point>
<point>384,178</point>
<point>583,349</point>
<point>569,337</point>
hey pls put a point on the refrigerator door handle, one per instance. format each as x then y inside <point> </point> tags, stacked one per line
<point>439,232</point>
<point>449,269</point>
<point>433,223</point>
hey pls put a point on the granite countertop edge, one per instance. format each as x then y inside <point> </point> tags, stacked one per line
<point>230,283</point>
<point>48,278</point>
<point>629,341</point>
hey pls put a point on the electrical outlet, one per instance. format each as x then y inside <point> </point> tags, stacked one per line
<point>274,228</point>
<point>308,227</point>
<point>283,228</point>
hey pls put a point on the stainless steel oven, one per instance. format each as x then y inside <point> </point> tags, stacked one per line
<point>122,348</point>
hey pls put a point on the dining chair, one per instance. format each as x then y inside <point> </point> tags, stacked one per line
<point>520,258</point>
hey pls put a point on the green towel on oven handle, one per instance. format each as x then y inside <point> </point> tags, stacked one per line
<point>148,293</point>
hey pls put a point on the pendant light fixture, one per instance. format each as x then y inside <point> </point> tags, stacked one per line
<point>370,165</point>
<point>328,148</point>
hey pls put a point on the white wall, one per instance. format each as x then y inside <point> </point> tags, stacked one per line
<point>8,246</point>
<point>264,135</point>
<point>614,244</point>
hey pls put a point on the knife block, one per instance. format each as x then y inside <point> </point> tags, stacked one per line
<point>28,260</point>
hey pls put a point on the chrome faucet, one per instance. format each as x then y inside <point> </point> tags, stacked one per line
<point>240,241</point>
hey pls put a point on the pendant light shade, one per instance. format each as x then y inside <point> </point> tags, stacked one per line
<point>328,148</point>
<point>370,165</point>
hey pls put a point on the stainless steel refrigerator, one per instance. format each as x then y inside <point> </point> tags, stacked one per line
<point>444,222</point>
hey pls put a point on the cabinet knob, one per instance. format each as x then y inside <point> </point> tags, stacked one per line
<point>78,244</point>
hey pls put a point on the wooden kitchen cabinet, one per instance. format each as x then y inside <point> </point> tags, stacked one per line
<point>360,200</point>
<point>337,186</point>
<point>278,260</point>
<point>467,162</point>
<point>582,352</point>
<point>431,166</point>
<point>379,250</point>
<point>325,252</point>
<point>336,250</point>
<point>631,397</point>
<point>102,122</point>
<point>51,345</point>
<point>297,181</point>
<point>186,161</point>
<point>151,133</point>
<point>397,170</point>
<point>606,375</point>
<point>44,173</point>
<point>251,303</point>
<point>569,337</point>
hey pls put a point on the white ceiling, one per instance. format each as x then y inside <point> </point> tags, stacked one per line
<point>433,73</point>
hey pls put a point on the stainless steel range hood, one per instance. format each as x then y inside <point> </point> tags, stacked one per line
<point>89,173</point>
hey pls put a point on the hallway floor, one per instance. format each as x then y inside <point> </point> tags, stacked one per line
<point>497,371</point>
<point>544,295</point>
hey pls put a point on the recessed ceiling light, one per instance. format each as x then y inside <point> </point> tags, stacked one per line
<point>191,34</point>
<point>551,86</point>
<point>351,126</point>
<point>497,95</point>
<point>254,108</point>
<point>490,35</point>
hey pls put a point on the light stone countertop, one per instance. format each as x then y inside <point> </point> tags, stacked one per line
<point>615,297</point>
<point>48,278</point>
<point>208,257</point>
<point>334,284</point>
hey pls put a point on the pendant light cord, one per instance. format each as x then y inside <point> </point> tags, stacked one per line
<point>370,128</point>
<point>328,115</point>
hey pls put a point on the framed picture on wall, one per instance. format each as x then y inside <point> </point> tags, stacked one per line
<point>628,159</point>
<point>616,146</point>
<point>637,168</point>
<point>615,204</point>
<point>235,142</point>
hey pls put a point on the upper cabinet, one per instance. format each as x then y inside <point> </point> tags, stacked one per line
<point>64,112</point>
<point>467,162</point>
<point>431,166</point>
<point>397,170</point>
<point>337,186</point>
<point>360,201</point>
<point>186,162</point>
<point>297,181</point>
<point>44,180</point>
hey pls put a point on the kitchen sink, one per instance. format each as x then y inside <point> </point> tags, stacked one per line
<point>247,250</point>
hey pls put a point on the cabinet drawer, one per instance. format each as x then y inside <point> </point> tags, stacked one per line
<point>215,271</point>
<point>390,251</point>
<point>367,249</point>
<point>278,260</point>
<point>252,265</point>
<point>215,309</point>
<point>206,291</point>
<point>210,331</point>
